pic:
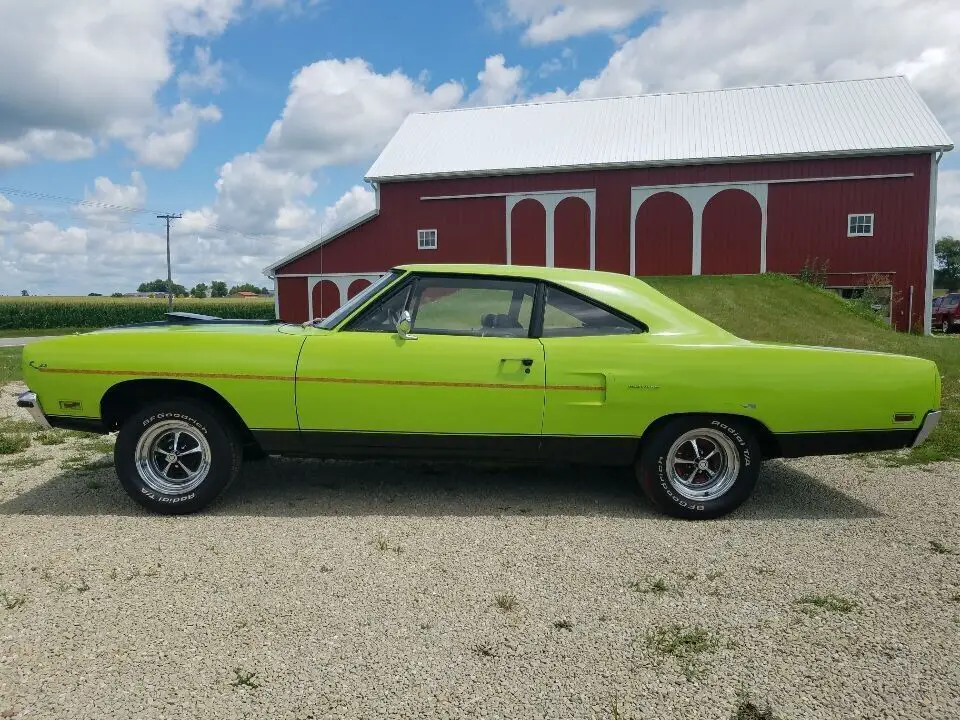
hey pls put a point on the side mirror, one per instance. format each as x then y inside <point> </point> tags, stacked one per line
<point>405,325</point>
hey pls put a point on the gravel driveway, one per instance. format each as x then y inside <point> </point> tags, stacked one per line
<point>380,590</point>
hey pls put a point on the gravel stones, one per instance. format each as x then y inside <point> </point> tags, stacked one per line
<point>370,590</point>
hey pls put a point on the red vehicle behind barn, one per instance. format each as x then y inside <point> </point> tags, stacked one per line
<point>734,181</point>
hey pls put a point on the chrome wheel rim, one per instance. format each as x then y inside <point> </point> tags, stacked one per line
<point>702,464</point>
<point>173,457</point>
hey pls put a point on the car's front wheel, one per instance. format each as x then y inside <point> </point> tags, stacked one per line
<point>175,457</point>
<point>945,326</point>
<point>699,467</point>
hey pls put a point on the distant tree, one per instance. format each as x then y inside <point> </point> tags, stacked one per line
<point>94,295</point>
<point>264,291</point>
<point>160,286</point>
<point>245,287</point>
<point>948,262</point>
<point>199,290</point>
<point>218,288</point>
<point>24,293</point>
<point>117,294</point>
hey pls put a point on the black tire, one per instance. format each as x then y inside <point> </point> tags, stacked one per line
<point>199,425</point>
<point>738,470</point>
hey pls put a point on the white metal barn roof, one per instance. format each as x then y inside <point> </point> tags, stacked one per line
<point>856,117</point>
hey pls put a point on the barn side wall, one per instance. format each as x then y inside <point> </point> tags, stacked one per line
<point>803,221</point>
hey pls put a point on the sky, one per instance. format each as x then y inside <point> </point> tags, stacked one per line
<point>257,119</point>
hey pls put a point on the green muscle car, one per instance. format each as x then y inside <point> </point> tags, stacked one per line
<point>507,363</point>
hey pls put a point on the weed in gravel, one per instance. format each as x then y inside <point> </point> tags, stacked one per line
<point>681,642</point>
<point>483,650</point>
<point>616,713</point>
<point>244,678</point>
<point>93,484</point>
<point>747,710</point>
<point>831,603</point>
<point>426,626</point>
<point>11,443</point>
<point>22,462</point>
<point>940,549</point>
<point>97,444</point>
<point>83,463</point>
<point>765,571</point>
<point>505,602</point>
<point>383,545</point>
<point>113,574</point>
<point>12,602</point>
<point>325,569</point>
<point>714,575</point>
<point>51,437</point>
<point>12,425</point>
<point>563,624</point>
<point>657,587</point>
<point>83,586</point>
<point>956,598</point>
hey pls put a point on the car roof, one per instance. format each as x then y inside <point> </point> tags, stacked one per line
<point>622,292</point>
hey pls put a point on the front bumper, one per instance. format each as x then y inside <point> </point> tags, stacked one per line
<point>929,423</point>
<point>29,401</point>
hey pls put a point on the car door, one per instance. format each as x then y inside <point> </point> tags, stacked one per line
<point>468,374</point>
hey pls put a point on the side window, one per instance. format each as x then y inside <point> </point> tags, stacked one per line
<point>566,315</point>
<point>383,316</point>
<point>473,306</point>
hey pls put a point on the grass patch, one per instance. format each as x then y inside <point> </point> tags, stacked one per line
<point>505,602</point>
<point>52,437</point>
<point>12,425</point>
<point>11,443</point>
<point>747,710</point>
<point>244,678</point>
<point>98,444</point>
<point>940,549</point>
<point>830,603</point>
<point>681,642</point>
<point>483,650</point>
<point>10,370</point>
<point>656,587</point>
<point>35,332</point>
<point>12,602</point>
<point>563,624</point>
<point>778,308</point>
<point>83,463</point>
<point>22,462</point>
<point>383,545</point>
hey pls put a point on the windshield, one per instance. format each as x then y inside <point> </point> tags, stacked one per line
<point>334,319</point>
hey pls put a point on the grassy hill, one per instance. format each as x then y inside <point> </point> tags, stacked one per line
<point>775,307</point>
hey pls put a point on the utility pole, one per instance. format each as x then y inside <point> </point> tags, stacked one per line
<point>168,218</point>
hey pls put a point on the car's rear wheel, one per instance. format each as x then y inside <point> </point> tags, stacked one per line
<point>699,467</point>
<point>175,457</point>
<point>945,326</point>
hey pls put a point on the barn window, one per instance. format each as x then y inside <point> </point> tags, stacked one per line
<point>859,225</point>
<point>427,239</point>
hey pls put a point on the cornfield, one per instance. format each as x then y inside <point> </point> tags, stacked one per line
<point>98,312</point>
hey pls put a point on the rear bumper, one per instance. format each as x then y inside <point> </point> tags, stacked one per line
<point>930,423</point>
<point>31,404</point>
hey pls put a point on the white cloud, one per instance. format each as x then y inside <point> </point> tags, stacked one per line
<point>343,111</point>
<point>948,204</point>
<point>355,202</point>
<point>552,20</point>
<point>746,42</point>
<point>498,84</point>
<point>5,205</point>
<point>58,145</point>
<point>207,75</point>
<point>165,142</point>
<point>75,70</point>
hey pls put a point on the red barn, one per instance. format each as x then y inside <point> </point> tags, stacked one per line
<point>750,180</point>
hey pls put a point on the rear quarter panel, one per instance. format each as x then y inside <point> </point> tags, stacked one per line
<point>254,372</point>
<point>641,378</point>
